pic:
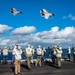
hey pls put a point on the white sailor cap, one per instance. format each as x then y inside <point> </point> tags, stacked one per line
<point>39,46</point>
<point>29,45</point>
<point>60,47</point>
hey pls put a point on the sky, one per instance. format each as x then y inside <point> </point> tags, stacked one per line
<point>30,28</point>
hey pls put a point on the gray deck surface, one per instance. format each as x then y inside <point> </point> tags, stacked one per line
<point>68,68</point>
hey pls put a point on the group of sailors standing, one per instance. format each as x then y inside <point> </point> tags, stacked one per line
<point>56,55</point>
<point>28,53</point>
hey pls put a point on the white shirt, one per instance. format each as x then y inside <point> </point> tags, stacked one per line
<point>74,51</point>
<point>69,51</point>
<point>29,51</point>
<point>58,53</point>
<point>43,51</point>
<point>39,51</point>
<point>13,53</point>
<point>33,51</point>
<point>54,52</point>
<point>0,51</point>
<point>5,51</point>
<point>17,53</point>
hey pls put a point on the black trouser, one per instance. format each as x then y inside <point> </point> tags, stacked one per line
<point>69,56</point>
<point>73,56</point>
<point>54,59</point>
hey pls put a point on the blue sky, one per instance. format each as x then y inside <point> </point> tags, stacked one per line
<point>30,27</point>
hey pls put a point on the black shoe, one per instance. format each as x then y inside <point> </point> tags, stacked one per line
<point>29,68</point>
<point>59,67</point>
<point>18,72</point>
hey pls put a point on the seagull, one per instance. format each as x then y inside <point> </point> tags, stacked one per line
<point>46,14</point>
<point>14,11</point>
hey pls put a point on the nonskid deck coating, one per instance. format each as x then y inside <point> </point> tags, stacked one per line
<point>68,68</point>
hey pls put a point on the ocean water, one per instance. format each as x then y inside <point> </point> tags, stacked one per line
<point>47,55</point>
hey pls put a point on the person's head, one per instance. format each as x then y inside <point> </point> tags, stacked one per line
<point>43,47</point>
<point>17,46</point>
<point>68,47</point>
<point>60,48</point>
<point>29,45</point>
<point>5,47</point>
<point>39,46</point>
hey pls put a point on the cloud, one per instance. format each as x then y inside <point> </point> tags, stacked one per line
<point>4,28</point>
<point>24,30</point>
<point>4,42</point>
<point>23,44</point>
<point>55,36</point>
<point>70,16</point>
<point>64,17</point>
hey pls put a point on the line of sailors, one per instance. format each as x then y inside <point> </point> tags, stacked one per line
<point>56,55</point>
<point>28,53</point>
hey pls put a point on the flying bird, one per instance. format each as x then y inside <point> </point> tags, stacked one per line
<point>46,14</point>
<point>14,11</point>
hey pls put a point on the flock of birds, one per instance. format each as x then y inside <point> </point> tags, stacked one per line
<point>44,13</point>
